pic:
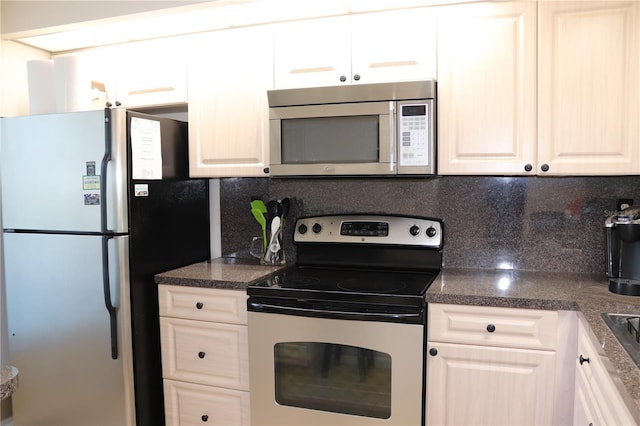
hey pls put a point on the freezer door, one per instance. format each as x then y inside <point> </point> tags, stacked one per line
<point>60,332</point>
<point>52,168</point>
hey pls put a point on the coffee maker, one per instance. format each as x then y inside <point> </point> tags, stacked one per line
<point>622,232</point>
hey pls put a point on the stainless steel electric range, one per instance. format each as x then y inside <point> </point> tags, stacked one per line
<point>340,337</point>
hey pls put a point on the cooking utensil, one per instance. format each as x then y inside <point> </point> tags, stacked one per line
<point>274,244</point>
<point>286,205</point>
<point>274,209</point>
<point>259,205</point>
<point>259,216</point>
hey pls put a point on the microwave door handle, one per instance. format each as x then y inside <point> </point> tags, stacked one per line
<point>394,145</point>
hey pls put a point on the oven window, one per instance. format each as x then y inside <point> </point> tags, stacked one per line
<point>350,139</point>
<point>336,378</point>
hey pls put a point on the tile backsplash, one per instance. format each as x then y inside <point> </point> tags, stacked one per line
<point>525,223</point>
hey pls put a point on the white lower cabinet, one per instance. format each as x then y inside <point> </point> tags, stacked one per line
<point>597,401</point>
<point>205,358</point>
<point>506,366</point>
<point>491,366</point>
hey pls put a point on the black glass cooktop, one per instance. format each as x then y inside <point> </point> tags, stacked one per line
<point>354,284</point>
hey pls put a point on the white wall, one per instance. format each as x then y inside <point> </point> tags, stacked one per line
<point>14,89</point>
<point>5,406</point>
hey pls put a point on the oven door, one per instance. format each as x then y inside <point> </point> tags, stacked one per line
<point>322,371</point>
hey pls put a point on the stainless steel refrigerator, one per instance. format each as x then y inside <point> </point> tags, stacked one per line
<point>93,205</point>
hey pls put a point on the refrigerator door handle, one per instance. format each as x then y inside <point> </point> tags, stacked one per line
<point>113,317</point>
<point>103,171</point>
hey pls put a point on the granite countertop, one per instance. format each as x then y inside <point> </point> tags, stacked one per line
<point>222,272</point>
<point>8,381</point>
<point>585,293</point>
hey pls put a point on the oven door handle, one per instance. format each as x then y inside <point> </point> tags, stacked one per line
<point>338,314</point>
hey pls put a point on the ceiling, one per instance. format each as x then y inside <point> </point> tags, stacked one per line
<point>56,35</point>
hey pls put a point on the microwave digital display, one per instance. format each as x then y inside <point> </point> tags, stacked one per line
<point>411,110</point>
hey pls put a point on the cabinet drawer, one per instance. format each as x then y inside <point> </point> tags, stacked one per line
<point>204,352</point>
<point>189,404</point>
<point>205,304</point>
<point>481,325</point>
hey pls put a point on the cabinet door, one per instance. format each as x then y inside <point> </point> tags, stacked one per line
<point>585,410</point>
<point>589,87</point>
<point>314,52</point>
<point>476,385</point>
<point>229,75</point>
<point>597,395</point>
<point>487,88</point>
<point>393,46</point>
<point>152,73</point>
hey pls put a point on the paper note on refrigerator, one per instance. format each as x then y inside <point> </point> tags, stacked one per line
<point>146,149</point>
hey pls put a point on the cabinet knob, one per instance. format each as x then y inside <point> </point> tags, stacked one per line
<point>343,78</point>
<point>583,360</point>
<point>201,355</point>
<point>266,170</point>
<point>433,352</point>
<point>205,418</point>
<point>528,167</point>
<point>199,305</point>
<point>544,167</point>
<point>491,328</point>
<point>356,77</point>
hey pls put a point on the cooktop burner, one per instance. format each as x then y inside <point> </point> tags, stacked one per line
<point>359,284</point>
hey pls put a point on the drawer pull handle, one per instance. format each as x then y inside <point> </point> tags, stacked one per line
<point>491,328</point>
<point>583,360</point>
<point>201,355</point>
<point>205,418</point>
<point>199,305</point>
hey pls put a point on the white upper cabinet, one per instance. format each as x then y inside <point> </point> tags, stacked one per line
<point>589,87</point>
<point>311,53</point>
<point>393,46</point>
<point>229,75</point>
<point>487,88</point>
<point>152,73</point>
<point>369,48</point>
<point>576,114</point>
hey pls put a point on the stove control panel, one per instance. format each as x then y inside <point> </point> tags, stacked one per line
<point>370,229</point>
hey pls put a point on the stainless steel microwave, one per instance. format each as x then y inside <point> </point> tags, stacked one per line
<point>351,130</point>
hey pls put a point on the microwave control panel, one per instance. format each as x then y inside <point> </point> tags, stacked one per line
<point>414,133</point>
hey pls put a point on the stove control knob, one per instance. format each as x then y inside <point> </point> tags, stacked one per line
<point>431,232</point>
<point>316,228</point>
<point>414,230</point>
<point>303,229</point>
